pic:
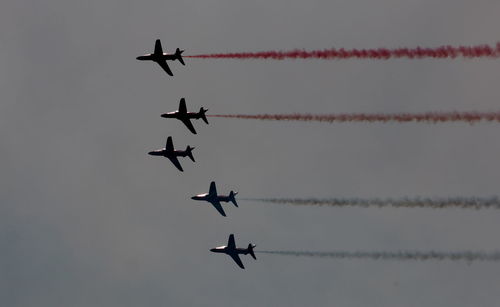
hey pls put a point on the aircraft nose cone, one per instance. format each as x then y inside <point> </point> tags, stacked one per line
<point>194,198</point>
<point>212,249</point>
<point>151,153</point>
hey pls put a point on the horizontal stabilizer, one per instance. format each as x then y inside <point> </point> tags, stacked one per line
<point>189,152</point>
<point>202,115</point>
<point>232,199</point>
<point>250,250</point>
<point>178,56</point>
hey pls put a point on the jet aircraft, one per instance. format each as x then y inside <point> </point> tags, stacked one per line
<point>161,58</point>
<point>234,251</point>
<point>184,116</point>
<point>215,199</point>
<point>169,152</point>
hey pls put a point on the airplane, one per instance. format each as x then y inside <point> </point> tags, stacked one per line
<point>234,251</point>
<point>161,58</point>
<point>215,199</point>
<point>169,152</point>
<point>184,116</point>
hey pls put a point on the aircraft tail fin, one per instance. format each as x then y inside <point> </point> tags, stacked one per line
<point>189,152</point>
<point>232,199</point>
<point>250,250</point>
<point>178,56</point>
<point>202,114</point>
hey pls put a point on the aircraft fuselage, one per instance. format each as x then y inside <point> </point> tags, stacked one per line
<point>180,116</point>
<point>209,198</point>
<point>229,251</point>
<point>157,57</point>
<point>166,153</point>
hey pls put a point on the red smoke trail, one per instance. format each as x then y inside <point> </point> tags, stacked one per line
<point>428,117</point>
<point>478,51</point>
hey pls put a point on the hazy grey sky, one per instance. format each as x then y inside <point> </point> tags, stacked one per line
<point>87,218</point>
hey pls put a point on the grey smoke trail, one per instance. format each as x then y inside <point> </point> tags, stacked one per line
<point>427,117</point>
<point>435,203</point>
<point>468,256</point>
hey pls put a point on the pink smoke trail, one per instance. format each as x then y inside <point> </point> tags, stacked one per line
<point>477,51</point>
<point>428,117</point>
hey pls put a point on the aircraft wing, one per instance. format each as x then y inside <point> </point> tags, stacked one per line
<point>158,48</point>
<point>170,145</point>
<point>237,259</point>
<point>218,206</point>
<point>176,162</point>
<point>230,242</point>
<point>165,67</point>
<point>213,189</point>
<point>189,124</point>
<point>182,106</point>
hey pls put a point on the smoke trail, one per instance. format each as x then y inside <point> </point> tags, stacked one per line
<point>477,51</point>
<point>468,256</point>
<point>428,117</point>
<point>434,203</point>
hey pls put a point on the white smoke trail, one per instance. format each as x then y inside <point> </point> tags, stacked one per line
<point>468,256</point>
<point>434,203</point>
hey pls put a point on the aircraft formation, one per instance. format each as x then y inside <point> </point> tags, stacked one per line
<point>215,199</point>
<point>212,197</point>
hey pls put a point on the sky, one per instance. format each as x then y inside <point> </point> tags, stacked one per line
<point>87,218</point>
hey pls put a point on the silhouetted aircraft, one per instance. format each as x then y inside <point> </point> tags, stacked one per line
<point>234,251</point>
<point>161,58</point>
<point>169,152</point>
<point>184,116</point>
<point>215,199</point>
